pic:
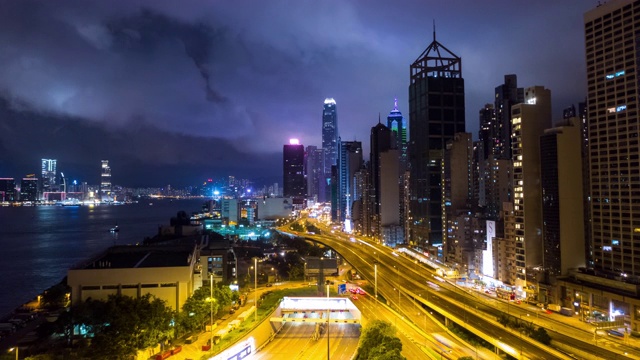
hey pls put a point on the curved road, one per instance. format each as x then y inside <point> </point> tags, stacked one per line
<point>418,280</point>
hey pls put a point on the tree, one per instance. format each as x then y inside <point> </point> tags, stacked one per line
<point>196,310</point>
<point>122,325</point>
<point>295,271</point>
<point>503,320</point>
<point>542,336</point>
<point>527,327</point>
<point>378,341</point>
<point>56,296</point>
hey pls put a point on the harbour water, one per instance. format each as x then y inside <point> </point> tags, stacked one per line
<point>38,244</point>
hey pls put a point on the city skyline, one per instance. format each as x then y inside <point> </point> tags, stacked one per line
<point>145,85</point>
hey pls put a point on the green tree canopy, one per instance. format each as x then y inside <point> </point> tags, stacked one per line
<point>122,325</point>
<point>378,341</point>
<point>196,310</point>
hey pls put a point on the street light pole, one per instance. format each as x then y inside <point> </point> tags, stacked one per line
<point>16,349</point>
<point>255,289</point>
<point>211,308</point>
<point>328,322</point>
<point>375,272</point>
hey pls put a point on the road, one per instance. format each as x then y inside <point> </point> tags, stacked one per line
<point>417,279</point>
<point>417,343</point>
<point>295,342</point>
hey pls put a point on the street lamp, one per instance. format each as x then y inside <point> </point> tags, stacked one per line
<point>16,349</point>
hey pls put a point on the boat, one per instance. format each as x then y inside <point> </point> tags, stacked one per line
<point>114,229</point>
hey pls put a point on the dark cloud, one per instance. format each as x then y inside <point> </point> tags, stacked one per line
<point>140,154</point>
<point>251,74</point>
<point>143,32</point>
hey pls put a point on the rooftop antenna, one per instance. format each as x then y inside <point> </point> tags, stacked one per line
<point>434,30</point>
<point>395,104</point>
<point>378,118</point>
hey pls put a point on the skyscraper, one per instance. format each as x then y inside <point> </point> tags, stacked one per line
<point>529,120</point>
<point>329,134</point>
<point>29,189</point>
<point>105,181</point>
<point>487,134</point>
<point>314,172</point>
<point>398,126</point>
<point>48,175</point>
<point>436,113</point>
<point>385,184</point>
<point>506,95</point>
<point>293,170</point>
<point>457,191</point>
<point>562,197</point>
<point>7,189</point>
<point>349,162</point>
<point>612,53</point>
<point>381,138</point>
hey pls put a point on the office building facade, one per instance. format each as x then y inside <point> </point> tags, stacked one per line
<point>7,190</point>
<point>329,134</point>
<point>612,51</point>
<point>436,113</point>
<point>314,173</point>
<point>529,120</point>
<point>29,189</point>
<point>105,181</point>
<point>293,170</point>
<point>349,162</point>
<point>506,95</point>
<point>48,175</point>
<point>562,198</point>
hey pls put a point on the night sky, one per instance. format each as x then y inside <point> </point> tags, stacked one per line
<point>177,92</point>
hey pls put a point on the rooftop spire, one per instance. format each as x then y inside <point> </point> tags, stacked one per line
<point>395,104</point>
<point>434,30</point>
<point>378,118</point>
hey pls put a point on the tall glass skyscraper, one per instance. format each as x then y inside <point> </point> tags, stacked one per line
<point>329,134</point>
<point>398,126</point>
<point>105,181</point>
<point>293,170</point>
<point>436,113</point>
<point>48,174</point>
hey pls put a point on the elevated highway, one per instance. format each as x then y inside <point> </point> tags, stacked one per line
<point>451,303</point>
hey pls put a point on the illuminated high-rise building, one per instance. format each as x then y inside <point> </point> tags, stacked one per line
<point>293,170</point>
<point>436,113</point>
<point>29,189</point>
<point>48,175</point>
<point>105,180</point>
<point>612,54</point>
<point>529,120</point>
<point>506,95</point>
<point>349,162</point>
<point>398,126</point>
<point>314,173</point>
<point>329,134</point>
<point>7,189</point>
